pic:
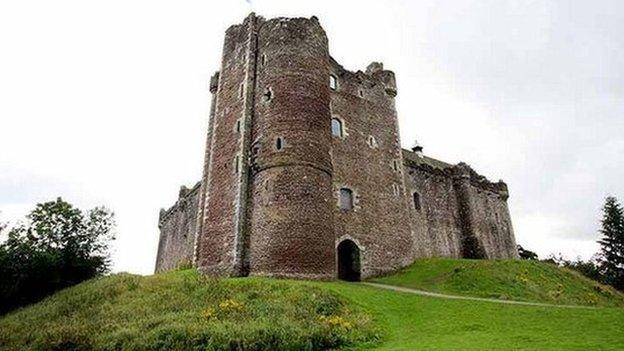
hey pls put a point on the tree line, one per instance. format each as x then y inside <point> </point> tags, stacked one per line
<point>607,265</point>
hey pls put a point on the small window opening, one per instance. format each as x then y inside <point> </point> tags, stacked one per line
<point>263,59</point>
<point>361,93</point>
<point>395,165</point>
<point>267,95</point>
<point>336,127</point>
<point>279,143</point>
<point>255,150</point>
<point>333,82</point>
<point>236,164</point>
<point>346,199</point>
<point>395,189</point>
<point>416,197</point>
<point>372,142</point>
<point>238,126</point>
<point>240,90</point>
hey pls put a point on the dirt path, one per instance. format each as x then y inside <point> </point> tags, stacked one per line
<point>457,297</point>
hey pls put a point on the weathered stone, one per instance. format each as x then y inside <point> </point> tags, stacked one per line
<point>268,203</point>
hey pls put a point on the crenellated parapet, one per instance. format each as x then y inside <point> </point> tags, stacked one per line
<point>459,171</point>
<point>185,196</point>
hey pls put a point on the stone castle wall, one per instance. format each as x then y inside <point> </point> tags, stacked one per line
<point>367,161</point>
<point>459,213</point>
<point>177,227</point>
<point>269,198</point>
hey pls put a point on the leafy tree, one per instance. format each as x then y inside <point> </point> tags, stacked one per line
<point>612,243</point>
<point>58,247</point>
<point>526,254</point>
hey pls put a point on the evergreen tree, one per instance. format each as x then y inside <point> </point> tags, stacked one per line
<point>612,242</point>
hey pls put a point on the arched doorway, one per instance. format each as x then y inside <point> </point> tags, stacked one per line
<point>348,261</point>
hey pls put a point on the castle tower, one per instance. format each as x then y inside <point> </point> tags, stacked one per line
<point>291,215</point>
<point>265,201</point>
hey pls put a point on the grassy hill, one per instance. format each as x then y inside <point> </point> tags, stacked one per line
<point>505,279</point>
<point>181,311</point>
<point>185,311</point>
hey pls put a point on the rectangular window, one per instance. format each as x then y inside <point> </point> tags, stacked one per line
<point>333,82</point>
<point>346,199</point>
<point>336,127</point>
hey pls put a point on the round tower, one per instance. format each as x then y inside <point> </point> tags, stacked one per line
<point>291,227</point>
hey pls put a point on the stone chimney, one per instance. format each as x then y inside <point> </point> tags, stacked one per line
<point>417,149</point>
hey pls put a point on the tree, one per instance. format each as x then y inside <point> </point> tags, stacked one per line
<point>526,254</point>
<point>59,246</point>
<point>612,243</point>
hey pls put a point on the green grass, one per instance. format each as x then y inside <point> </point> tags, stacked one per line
<point>411,322</point>
<point>505,279</point>
<point>183,311</point>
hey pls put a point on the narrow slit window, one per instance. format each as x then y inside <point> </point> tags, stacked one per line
<point>263,59</point>
<point>333,82</point>
<point>346,199</point>
<point>395,165</point>
<point>396,189</point>
<point>236,164</point>
<point>268,94</point>
<point>238,126</point>
<point>372,142</point>
<point>361,93</point>
<point>336,127</point>
<point>240,90</point>
<point>279,143</point>
<point>416,197</point>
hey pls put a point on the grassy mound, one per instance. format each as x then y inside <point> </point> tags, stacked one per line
<point>185,311</point>
<point>505,279</point>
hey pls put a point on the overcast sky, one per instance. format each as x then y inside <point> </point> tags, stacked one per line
<point>106,102</point>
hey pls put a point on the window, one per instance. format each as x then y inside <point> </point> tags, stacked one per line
<point>333,82</point>
<point>395,165</point>
<point>236,164</point>
<point>361,93</point>
<point>346,199</point>
<point>268,94</point>
<point>238,126</point>
<point>263,59</point>
<point>279,143</point>
<point>371,141</point>
<point>395,189</point>
<point>336,127</point>
<point>416,197</point>
<point>240,90</point>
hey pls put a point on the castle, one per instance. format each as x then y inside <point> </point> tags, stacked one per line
<point>304,174</point>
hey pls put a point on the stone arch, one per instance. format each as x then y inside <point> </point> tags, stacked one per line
<point>349,261</point>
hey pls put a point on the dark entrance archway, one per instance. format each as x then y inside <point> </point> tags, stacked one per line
<point>348,261</point>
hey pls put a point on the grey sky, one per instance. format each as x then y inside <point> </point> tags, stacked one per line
<point>106,102</point>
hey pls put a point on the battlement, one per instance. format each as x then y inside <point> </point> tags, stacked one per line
<point>458,171</point>
<point>184,196</point>
<point>374,83</point>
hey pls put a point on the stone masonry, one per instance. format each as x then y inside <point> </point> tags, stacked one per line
<point>305,177</point>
